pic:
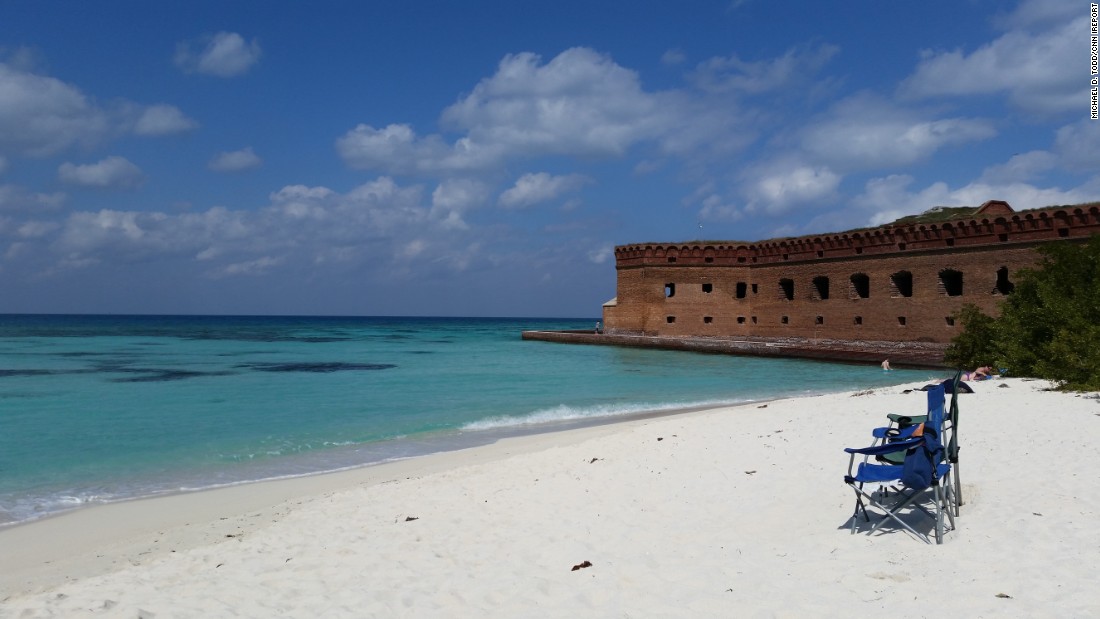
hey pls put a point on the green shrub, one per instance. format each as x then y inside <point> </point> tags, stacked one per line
<point>1049,327</point>
<point>975,344</point>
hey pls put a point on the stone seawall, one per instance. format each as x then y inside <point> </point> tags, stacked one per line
<point>912,354</point>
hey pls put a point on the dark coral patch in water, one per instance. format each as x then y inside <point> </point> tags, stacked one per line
<point>6,373</point>
<point>316,367</point>
<point>156,376</point>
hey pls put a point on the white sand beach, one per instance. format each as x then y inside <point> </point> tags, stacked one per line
<point>733,512</point>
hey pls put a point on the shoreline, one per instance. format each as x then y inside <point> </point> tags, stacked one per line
<point>442,443</point>
<point>686,514</point>
<point>91,540</point>
<point>391,451</point>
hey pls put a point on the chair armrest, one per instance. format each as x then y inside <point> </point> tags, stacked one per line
<point>898,433</point>
<point>886,448</point>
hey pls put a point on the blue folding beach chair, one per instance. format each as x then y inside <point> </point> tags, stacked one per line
<point>902,488</point>
<point>901,427</point>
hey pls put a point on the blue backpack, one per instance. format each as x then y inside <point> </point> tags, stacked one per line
<point>919,468</point>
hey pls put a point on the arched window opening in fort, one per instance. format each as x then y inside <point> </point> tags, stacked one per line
<point>740,320</point>
<point>952,282</point>
<point>821,288</point>
<point>857,321</point>
<point>861,286</point>
<point>670,319</point>
<point>1004,286</point>
<point>820,320</point>
<point>901,321</point>
<point>1002,237</point>
<point>901,246</point>
<point>670,291</point>
<point>672,259</point>
<point>1063,232</point>
<point>754,320</point>
<point>950,320</point>
<point>742,290</point>
<point>708,319</point>
<point>784,320</point>
<point>708,288</point>
<point>708,259</point>
<point>786,289</point>
<point>754,288</point>
<point>950,242</point>
<point>901,284</point>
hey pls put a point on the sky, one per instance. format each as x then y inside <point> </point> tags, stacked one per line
<point>484,158</point>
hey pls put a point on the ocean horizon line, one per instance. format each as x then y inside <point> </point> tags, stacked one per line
<point>324,316</point>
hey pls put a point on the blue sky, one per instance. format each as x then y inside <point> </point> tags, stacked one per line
<point>484,158</point>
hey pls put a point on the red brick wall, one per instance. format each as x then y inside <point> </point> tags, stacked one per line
<point>706,277</point>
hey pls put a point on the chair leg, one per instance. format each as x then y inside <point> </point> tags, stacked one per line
<point>958,487</point>
<point>940,502</point>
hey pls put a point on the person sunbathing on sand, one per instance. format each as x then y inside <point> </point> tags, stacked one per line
<point>983,373</point>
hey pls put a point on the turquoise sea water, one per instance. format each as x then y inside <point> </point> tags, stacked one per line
<point>105,408</point>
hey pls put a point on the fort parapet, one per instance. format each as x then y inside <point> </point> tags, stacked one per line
<point>894,283</point>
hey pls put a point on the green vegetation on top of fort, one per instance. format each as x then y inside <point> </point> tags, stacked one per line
<point>1049,326</point>
<point>941,214</point>
<point>936,215</point>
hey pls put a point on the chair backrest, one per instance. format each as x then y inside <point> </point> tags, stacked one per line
<point>919,466</point>
<point>953,419</point>
<point>936,400</point>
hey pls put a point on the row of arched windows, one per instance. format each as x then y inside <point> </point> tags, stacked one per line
<point>949,283</point>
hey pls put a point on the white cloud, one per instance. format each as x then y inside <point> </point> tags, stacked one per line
<point>779,186</point>
<point>673,57</point>
<point>716,208</point>
<point>733,75</point>
<point>397,149</point>
<point>1037,14</point>
<point>453,197</point>
<point>601,255</point>
<point>532,189</point>
<point>1078,145</point>
<point>235,161</point>
<point>865,132</point>
<point>112,172</point>
<point>259,266</point>
<point>14,198</point>
<point>1039,68</point>
<point>225,54</point>
<point>1023,167</point>
<point>41,116</point>
<point>379,226</point>
<point>579,104</point>
<point>157,120</point>
<point>37,229</point>
<point>889,198</point>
